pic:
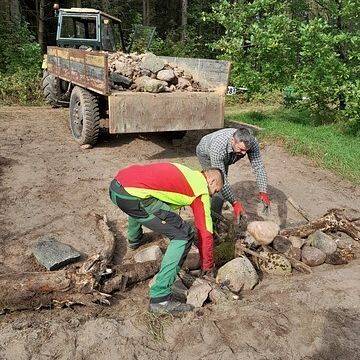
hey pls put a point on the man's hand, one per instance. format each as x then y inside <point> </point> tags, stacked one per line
<point>238,211</point>
<point>264,197</point>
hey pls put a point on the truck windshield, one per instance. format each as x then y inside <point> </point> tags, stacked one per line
<point>83,27</point>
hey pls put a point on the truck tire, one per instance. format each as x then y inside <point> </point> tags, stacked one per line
<point>54,90</point>
<point>84,116</point>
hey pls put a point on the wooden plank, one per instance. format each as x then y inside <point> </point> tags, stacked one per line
<point>131,112</point>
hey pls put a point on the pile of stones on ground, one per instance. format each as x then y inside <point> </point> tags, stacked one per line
<point>242,272</point>
<point>149,73</point>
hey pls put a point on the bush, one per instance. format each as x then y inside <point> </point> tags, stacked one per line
<point>20,66</point>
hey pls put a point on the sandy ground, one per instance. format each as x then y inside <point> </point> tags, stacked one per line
<point>48,187</point>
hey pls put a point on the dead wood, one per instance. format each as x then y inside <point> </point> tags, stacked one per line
<point>333,220</point>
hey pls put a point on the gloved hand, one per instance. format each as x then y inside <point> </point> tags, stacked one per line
<point>238,211</point>
<point>264,197</point>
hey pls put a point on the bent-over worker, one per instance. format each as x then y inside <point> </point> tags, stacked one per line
<point>223,148</point>
<point>148,194</point>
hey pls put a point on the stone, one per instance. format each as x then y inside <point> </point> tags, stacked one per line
<point>120,79</point>
<point>166,75</point>
<point>297,242</point>
<point>264,232</point>
<point>295,253</point>
<point>336,258</point>
<point>145,72</point>
<point>273,215</point>
<point>250,241</point>
<point>86,146</point>
<point>151,62</point>
<point>323,242</point>
<point>344,241</point>
<point>217,296</point>
<point>198,293</point>
<point>182,83</point>
<point>275,264</point>
<point>53,254</point>
<point>154,86</point>
<point>312,256</point>
<point>150,253</point>
<point>192,261</point>
<point>123,68</point>
<point>238,274</point>
<point>187,75</point>
<point>281,244</point>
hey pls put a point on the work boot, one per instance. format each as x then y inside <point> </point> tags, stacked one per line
<point>170,306</point>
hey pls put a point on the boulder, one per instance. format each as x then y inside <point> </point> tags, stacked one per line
<point>281,244</point>
<point>294,252</point>
<point>238,274</point>
<point>336,258</point>
<point>187,75</point>
<point>123,68</point>
<point>344,241</point>
<point>53,254</point>
<point>297,242</point>
<point>323,242</point>
<point>312,256</point>
<point>275,264</point>
<point>150,253</point>
<point>192,261</point>
<point>166,75</point>
<point>151,62</point>
<point>182,83</point>
<point>264,232</point>
<point>198,293</point>
<point>155,86</point>
<point>217,296</point>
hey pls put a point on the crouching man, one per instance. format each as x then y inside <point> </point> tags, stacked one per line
<point>149,194</point>
<point>225,147</point>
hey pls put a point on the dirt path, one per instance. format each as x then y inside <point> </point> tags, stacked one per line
<point>49,185</point>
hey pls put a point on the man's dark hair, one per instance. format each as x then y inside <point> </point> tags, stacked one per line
<point>244,135</point>
<point>219,170</point>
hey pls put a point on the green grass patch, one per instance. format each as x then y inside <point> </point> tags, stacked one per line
<point>327,145</point>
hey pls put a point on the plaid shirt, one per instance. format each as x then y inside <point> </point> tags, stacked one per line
<point>215,150</point>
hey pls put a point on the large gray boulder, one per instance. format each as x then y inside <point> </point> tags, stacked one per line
<point>151,62</point>
<point>155,86</point>
<point>312,256</point>
<point>323,242</point>
<point>263,232</point>
<point>198,293</point>
<point>238,274</point>
<point>166,75</point>
<point>150,253</point>
<point>123,68</point>
<point>53,254</point>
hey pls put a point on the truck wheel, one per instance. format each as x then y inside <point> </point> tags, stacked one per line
<point>54,90</point>
<point>84,116</point>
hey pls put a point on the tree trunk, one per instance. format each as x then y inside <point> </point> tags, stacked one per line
<point>41,25</point>
<point>184,5</point>
<point>146,12</point>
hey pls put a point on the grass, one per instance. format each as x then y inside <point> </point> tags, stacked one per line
<point>324,144</point>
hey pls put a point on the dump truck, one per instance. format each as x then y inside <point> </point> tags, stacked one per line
<point>76,75</point>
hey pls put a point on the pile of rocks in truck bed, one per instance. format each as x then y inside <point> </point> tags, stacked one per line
<point>149,73</point>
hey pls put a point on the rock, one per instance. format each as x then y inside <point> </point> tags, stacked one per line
<point>198,293</point>
<point>312,256</point>
<point>273,215</point>
<point>154,86</point>
<point>145,72</point>
<point>53,254</point>
<point>250,241</point>
<point>336,258</point>
<point>297,242</point>
<point>264,232</point>
<point>217,296</point>
<point>238,274</point>
<point>182,83</point>
<point>123,68</point>
<point>150,253</point>
<point>120,79</point>
<point>151,62</point>
<point>187,75</point>
<point>344,241</point>
<point>323,242</point>
<point>86,146</point>
<point>294,252</point>
<point>5,269</point>
<point>281,244</point>
<point>192,261</point>
<point>276,264</point>
<point>166,75</point>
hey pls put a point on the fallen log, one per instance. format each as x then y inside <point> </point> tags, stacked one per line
<point>333,220</point>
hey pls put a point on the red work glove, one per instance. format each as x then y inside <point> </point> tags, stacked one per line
<point>238,210</point>
<point>264,197</point>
